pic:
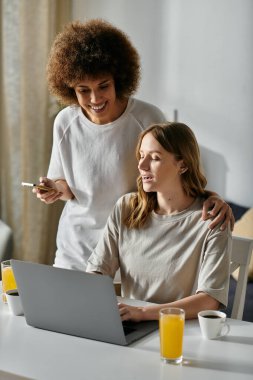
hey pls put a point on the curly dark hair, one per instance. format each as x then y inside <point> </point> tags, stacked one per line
<point>91,49</point>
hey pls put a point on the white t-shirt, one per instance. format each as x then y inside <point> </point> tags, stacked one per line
<point>172,257</point>
<point>99,164</point>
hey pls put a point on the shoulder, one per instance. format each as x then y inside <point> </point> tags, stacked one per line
<point>122,206</point>
<point>66,117</point>
<point>123,202</point>
<point>216,231</point>
<point>146,112</point>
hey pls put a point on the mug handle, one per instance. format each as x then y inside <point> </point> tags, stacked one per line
<point>227,329</point>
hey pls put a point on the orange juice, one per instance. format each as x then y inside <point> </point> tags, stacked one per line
<point>8,280</point>
<point>171,327</point>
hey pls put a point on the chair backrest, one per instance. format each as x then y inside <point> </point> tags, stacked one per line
<point>240,258</point>
<point>6,242</point>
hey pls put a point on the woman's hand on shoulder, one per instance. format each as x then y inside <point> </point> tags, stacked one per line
<point>215,207</point>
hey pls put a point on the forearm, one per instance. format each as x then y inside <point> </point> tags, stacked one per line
<point>191,305</point>
<point>62,187</point>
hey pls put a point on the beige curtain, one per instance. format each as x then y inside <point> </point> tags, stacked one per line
<point>28,28</point>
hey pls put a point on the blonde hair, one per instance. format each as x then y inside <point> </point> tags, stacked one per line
<point>178,139</point>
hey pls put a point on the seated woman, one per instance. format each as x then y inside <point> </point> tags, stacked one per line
<point>166,253</point>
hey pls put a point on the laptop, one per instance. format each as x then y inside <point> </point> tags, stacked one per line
<point>74,303</point>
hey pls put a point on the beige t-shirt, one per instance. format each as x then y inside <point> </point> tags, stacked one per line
<point>173,257</point>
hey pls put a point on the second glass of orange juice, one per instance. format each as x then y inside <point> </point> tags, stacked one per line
<point>171,328</point>
<point>8,279</point>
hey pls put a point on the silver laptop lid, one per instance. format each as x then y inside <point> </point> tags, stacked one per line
<point>75,303</point>
<point>68,301</point>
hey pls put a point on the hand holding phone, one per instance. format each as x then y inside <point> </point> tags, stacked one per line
<point>39,187</point>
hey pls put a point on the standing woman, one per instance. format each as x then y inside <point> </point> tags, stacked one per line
<point>166,253</point>
<point>94,70</point>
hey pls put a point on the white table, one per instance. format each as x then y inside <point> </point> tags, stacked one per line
<point>44,355</point>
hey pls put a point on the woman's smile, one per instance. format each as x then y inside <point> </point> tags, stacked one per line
<point>98,108</point>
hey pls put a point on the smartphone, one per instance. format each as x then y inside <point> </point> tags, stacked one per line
<point>40,187</point>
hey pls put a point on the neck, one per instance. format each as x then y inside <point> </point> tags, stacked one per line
<point>173,203</point>
<point>119,109</point>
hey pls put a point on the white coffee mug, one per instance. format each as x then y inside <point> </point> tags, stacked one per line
<point>213,324</point>
<point>14,302</point>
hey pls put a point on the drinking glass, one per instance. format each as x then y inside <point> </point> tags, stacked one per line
<point>8,279</point>
<point>171,328</point>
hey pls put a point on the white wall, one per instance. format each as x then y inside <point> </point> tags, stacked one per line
<point>197,58</point>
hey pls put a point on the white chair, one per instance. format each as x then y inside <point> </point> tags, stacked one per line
<point>6,241</point>
<point>240,258</point>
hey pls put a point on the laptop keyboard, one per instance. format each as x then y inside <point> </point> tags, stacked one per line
<point>128,327</point>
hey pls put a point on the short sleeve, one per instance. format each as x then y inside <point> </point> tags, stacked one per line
<point>105,257</point>
<point>214,269</point>
<point>55,170</point>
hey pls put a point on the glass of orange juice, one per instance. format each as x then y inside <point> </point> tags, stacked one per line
<point>8,279</point>
<point>171,329</point>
